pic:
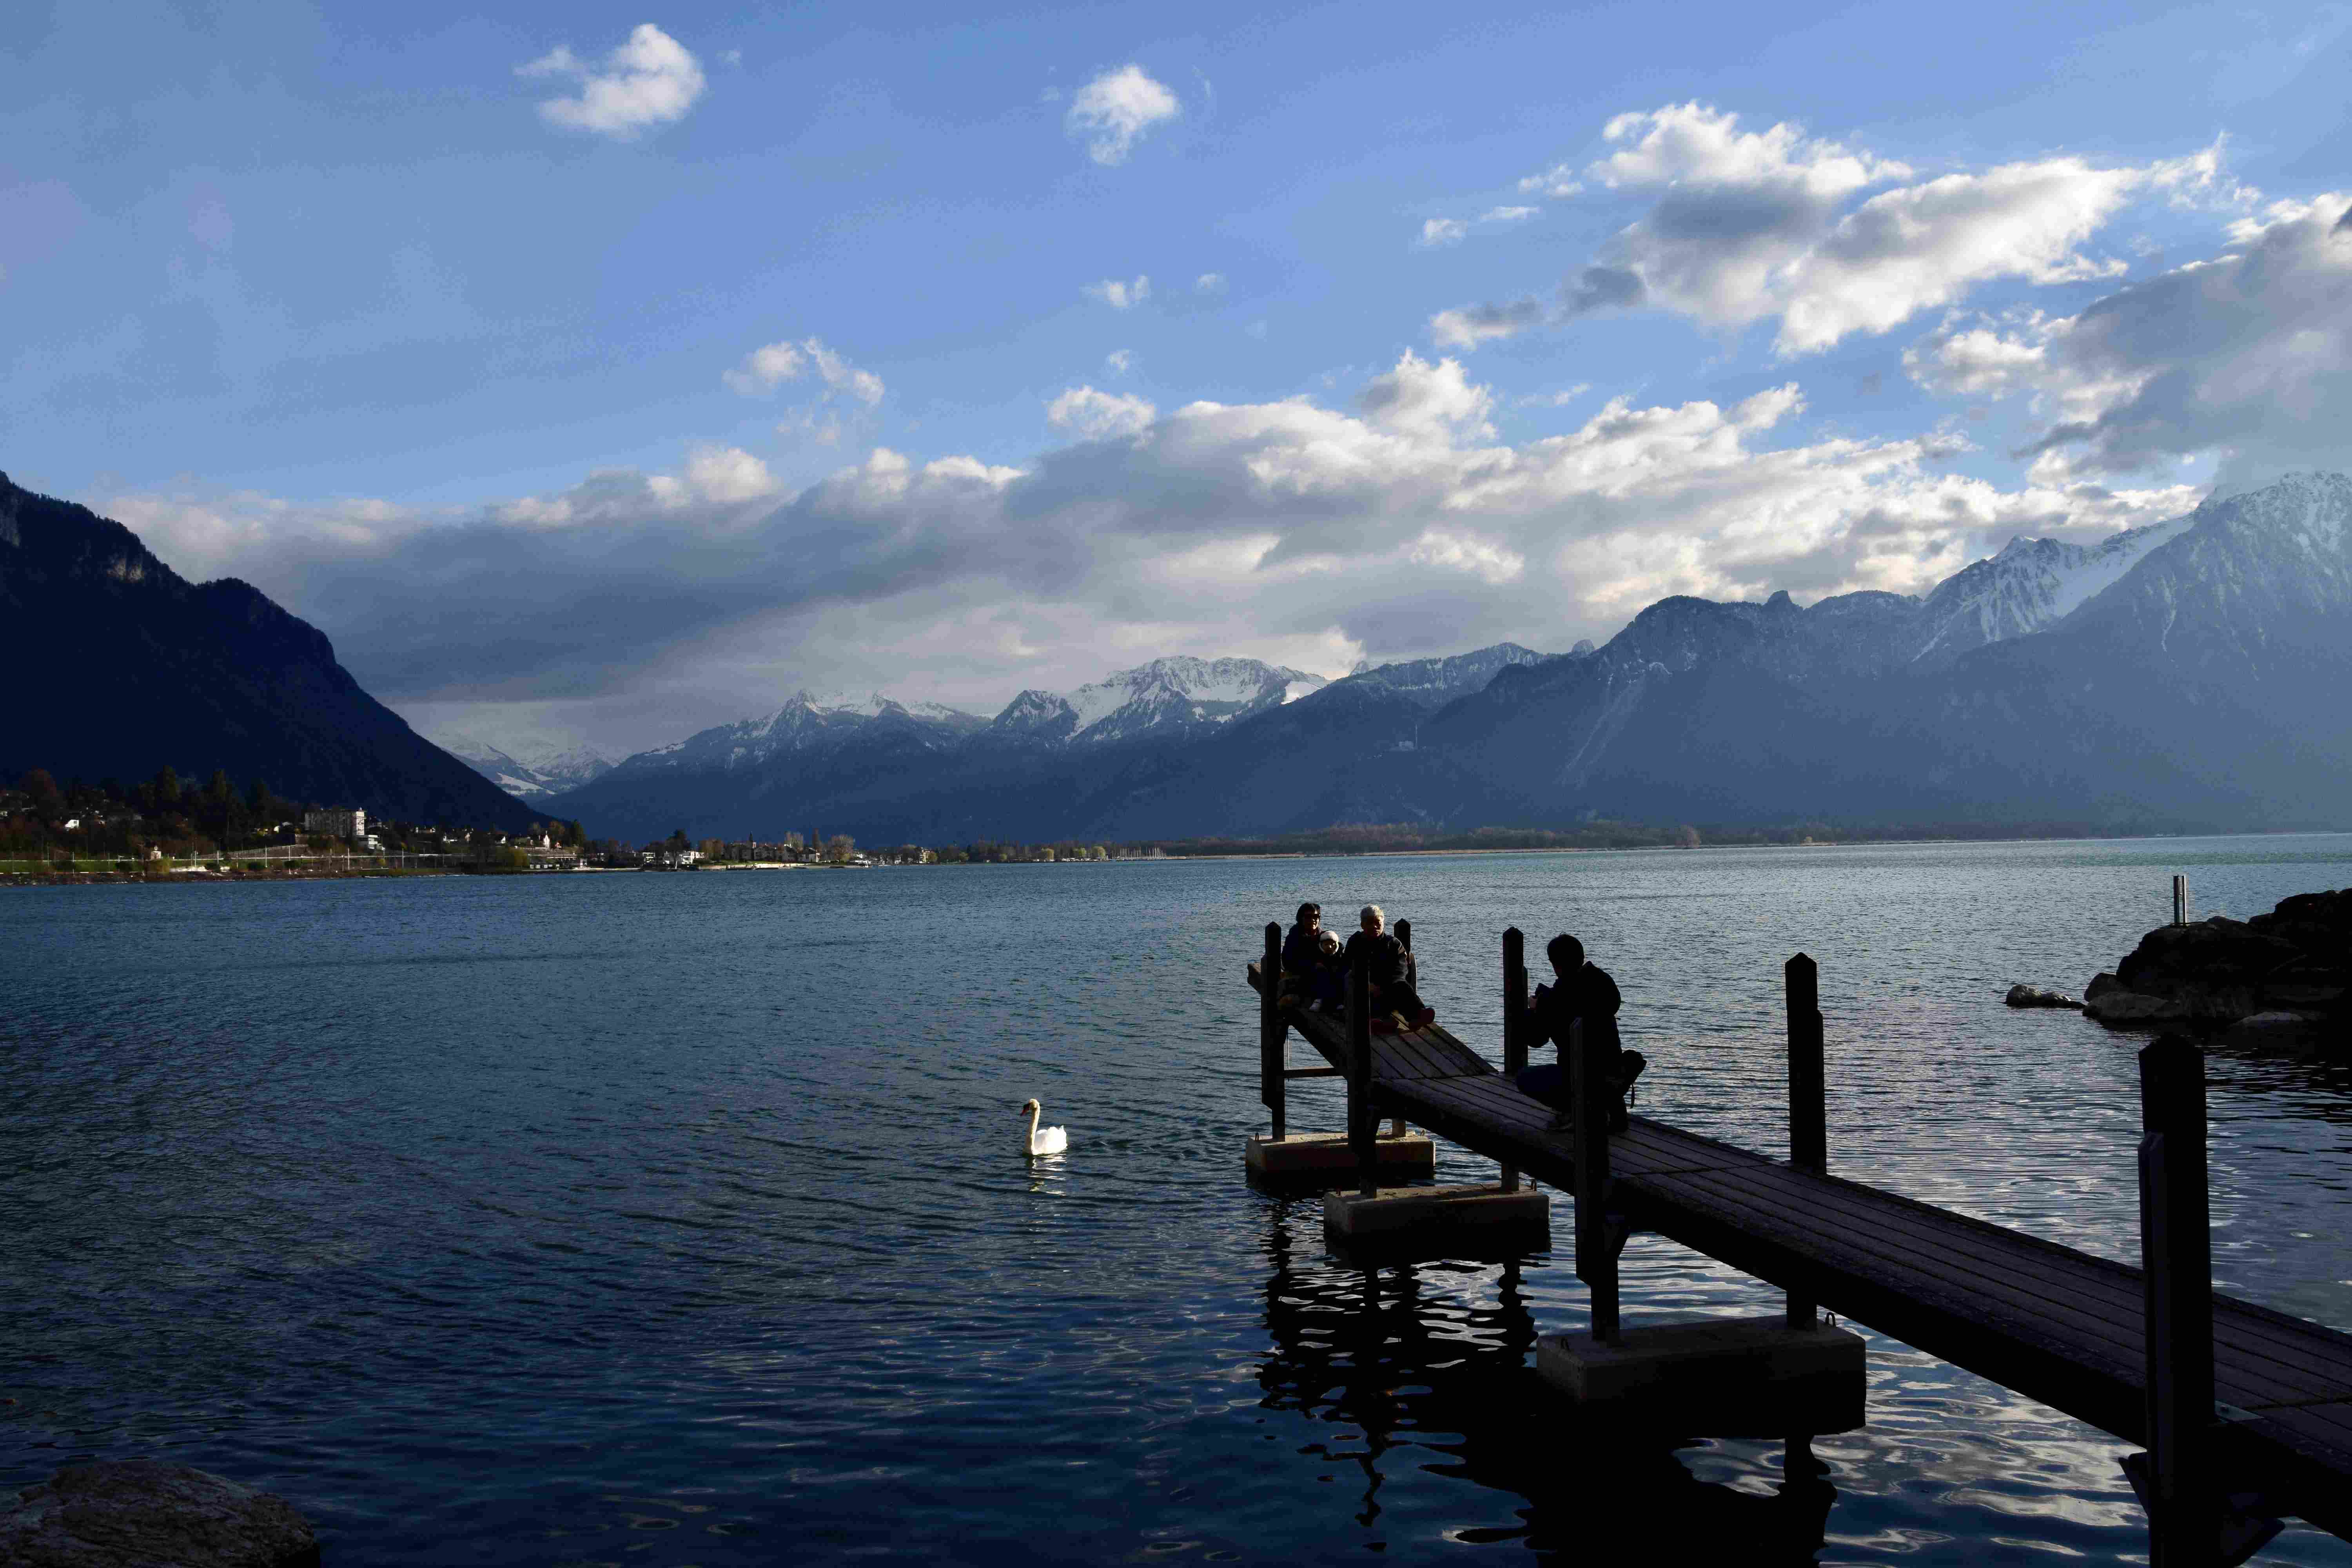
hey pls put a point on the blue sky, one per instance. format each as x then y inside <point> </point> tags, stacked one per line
<point>597,374</point>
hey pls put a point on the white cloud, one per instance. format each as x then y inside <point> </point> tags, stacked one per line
<point>728,474</point>
<point>2246,356</point>
<point>649,80</point>
<point>1119,362</point>
<point>766,368</point>
<point>1507,215</point>
<point>1558,180</point>
<point>1118,295</point>
<point>1115,111</point>
<point>1443,231</point>
<point>1471,325</point>
<point>645,605</point>
<point>1092,415</point>
<point>1560,399</point>
<point>1209,283</point>
<point>1751,226</point>
<point>842,376</point>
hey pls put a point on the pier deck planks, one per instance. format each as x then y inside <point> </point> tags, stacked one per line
<point>2055,1324</point>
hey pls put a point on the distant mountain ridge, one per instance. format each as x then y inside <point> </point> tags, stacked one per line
<point>123,666</point>
<point>2184,674</point>
<point>547,771</point>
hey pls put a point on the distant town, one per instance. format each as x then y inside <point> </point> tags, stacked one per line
<point>170,826</point>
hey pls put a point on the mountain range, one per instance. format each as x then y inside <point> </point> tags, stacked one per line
<point>2187,675</point>
<point>2184,675</point>
<point>120,667</point>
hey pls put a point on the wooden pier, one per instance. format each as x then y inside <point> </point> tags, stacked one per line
<point>2057,1325</point>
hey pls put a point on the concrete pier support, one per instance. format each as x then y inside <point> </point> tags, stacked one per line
<point>1435,1213</point>
<point>1720,1377</point>
<point>1314,1156</point>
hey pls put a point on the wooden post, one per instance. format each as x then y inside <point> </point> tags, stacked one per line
<point>1413,972</point>
<point>1273,1033</point>
<point>1589,1101</point>
<point>2177,1254</point>
<point>1514,1021</point>
<point>1361,1129</point>
<point>2180,899</point>
<point>1808,1137</point>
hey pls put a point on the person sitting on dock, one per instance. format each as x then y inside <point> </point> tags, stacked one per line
<point>1584,993</point>
<point>1392,973</point>
<point>1308,974</point>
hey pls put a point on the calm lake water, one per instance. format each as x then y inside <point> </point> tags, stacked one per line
<point>683,1219</point>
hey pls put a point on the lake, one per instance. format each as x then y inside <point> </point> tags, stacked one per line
<point>683,1219</point>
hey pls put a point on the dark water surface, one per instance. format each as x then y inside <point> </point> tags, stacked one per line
<point>643,1219</point>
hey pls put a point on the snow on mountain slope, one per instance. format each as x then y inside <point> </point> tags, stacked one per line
<point>2032,585</point>
<point>528,771</point>
<point>1437,681</point>
<point>1179,690</point>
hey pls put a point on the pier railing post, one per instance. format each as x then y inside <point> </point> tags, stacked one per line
<point>1362,1132</point>
<point>1273,1033</point>
<point>2177,1255</point>
<point>1405,940</point>
<point>1809,1136</point>
<point>1589,1101</point>
<point>2180,899</point>
<point>1514,1021</point>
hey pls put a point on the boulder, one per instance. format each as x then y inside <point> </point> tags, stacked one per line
<point>2034,997</point>
<point>141,1513</point>
<point>2123,1006</point>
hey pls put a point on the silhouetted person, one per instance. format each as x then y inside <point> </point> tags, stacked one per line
<point>1310,971</point>
<point>1391,972</point>
<point>1579,993</point>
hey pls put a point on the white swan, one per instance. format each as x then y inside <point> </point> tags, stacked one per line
<point>1047,1141</point>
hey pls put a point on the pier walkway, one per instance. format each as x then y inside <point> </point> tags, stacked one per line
<point>2057,1325</point>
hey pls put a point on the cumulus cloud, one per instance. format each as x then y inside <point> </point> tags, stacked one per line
<point>2246,356</point>
<point>1471,325</point>
<point>647,603</point>
<point>1120,295</point>
<point>651,79</point>
<point>1558,180</point>
<point>1114,111</point>
<point>765,369</point>
<point>1119,362</point>
<point>1094,415</point>
<point>1830,240</point>
<point>1209,283</point>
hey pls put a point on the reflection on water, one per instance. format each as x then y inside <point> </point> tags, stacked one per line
<point>1417,1375</point>
<point>685,1222</point>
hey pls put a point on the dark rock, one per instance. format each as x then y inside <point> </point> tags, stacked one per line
<point>2291,968</point>
<point>141,1513</point>
<point>2034,997</point>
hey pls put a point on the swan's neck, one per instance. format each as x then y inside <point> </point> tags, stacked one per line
<point>1035,1113</point>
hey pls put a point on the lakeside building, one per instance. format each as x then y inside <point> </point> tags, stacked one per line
<point>337,822</point>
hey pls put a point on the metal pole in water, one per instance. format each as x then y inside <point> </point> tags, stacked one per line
<point>1809,1138</point>
<point>1515,1032</point>
<point>2180,899</point>
<point>1273,1033</point>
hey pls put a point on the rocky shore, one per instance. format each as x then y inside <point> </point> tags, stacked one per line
<point>2286,975</point>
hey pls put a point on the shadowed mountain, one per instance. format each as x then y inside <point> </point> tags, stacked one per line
<point>123,666</point>
<point>2180,676</point>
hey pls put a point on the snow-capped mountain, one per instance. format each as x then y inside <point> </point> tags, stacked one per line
<point>2032,585</point>
<point>806,720</point>
<point>1434,682</point>
<point>525,771</point>
<point>1164,695</point>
